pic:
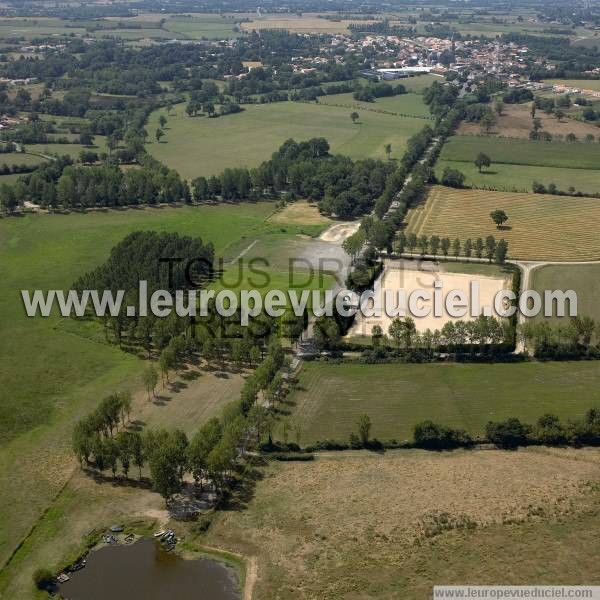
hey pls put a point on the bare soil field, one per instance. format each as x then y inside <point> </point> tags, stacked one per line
<point>358,525</point>
<point>405,275</point>
<point>516,122</point>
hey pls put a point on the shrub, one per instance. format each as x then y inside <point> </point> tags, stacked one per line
<point>431,436</point>
<point>43,579</point>
<point>507,434</point>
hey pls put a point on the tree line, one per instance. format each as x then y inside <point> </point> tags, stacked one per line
<point>572,338</point>
<point>104,441</point>
<point>489,248</point>
<point>508,434</point>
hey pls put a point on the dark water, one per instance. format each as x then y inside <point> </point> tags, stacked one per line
<point>144,571</point>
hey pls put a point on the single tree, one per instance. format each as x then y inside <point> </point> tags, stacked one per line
<point>376,335</point>
<point>468,247</point>
<point>388,150</point>
<point>499,217</point>
<point>395,331</point>
<point>487,122</point>
<point>445,244</point>
<point>150,379</point>
<point>501,252</point>
<point>434,245</point>
<point>162,120</point>
<point>159,134</point>
<point>490,247</point>
<point>411,241</point>
<point>456,247</point>
<point>478,247</point>
<point>354,116</point>
<point>364,429</point>
<point>482,160</point>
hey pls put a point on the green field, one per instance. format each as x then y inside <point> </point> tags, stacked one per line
<point>201,146</point>
<point>419,82</point>
<point>583,279</point>
<point>520,178</point>
<point>72,150</point>
<point>197,27</point>
<point>19,158</point>
<point>60,368</point>
<point>330,398</point>
<point>523,152</point>
<point>409,104</point>
<point>35,27</point>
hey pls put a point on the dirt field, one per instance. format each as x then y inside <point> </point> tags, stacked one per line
<point>339,232</point>
<point>516,121</point>
<point>539,227</point>
<point>403,275</point>
<point>300,212</point>
<point>359,526</point>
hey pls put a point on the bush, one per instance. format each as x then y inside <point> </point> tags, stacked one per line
<point>432,436</point>
<point>327,445</point>
<point>284,456</point>
<point>507,434</point>
<point>43,579</point>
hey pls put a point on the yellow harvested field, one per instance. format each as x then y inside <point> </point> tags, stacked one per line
<point>402,275</point>
<point>299,24</point>
<point>539,227</point>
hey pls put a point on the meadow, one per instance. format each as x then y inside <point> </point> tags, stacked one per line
<point>408,104</point>
<point>576,155</point>
<point>539,227</point>
<point>329,398</point>
<point>520,178</point>
<point>60,369</point>
<point>201,146</point>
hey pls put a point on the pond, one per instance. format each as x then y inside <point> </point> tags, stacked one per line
<point>145,571</point>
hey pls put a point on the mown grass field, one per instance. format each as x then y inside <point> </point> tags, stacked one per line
<point>583,279</point>
<point>391,526</point>
<point>502,176</point>
<point>539,227</point>
<point>59,369</point>
<point>577,155</point>
<point>330,398</point>
<point>201,146</point>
